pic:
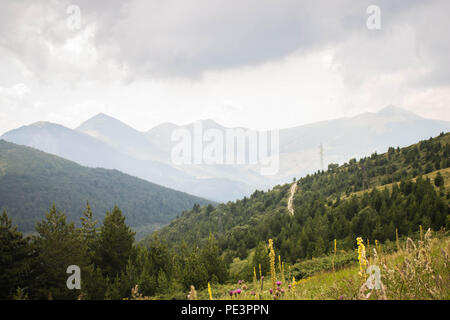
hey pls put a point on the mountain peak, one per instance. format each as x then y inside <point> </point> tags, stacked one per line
<point>166,126</point>
<point>101,120</point>
<point>392,110</point>
<point>40,124</point>
<point>101,116</point>
<point>210,122</point>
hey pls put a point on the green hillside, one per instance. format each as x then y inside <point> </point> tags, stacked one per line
<point>344,202</point>
<point>31,180</point>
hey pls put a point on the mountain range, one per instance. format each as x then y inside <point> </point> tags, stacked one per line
<point>105,142</point>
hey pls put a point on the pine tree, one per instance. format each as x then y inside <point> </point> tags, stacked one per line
<point>439,180</point>
<point>319,247</point>
<point>142,273</point>
<point>261,257</point>
<point>14,258</point>
<point>59,245</point>
<point>195,272</point>
<point>115,244</point>
<point>89,230</point>
<point>213,262</point>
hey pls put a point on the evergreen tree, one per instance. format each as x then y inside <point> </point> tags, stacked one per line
<point>194,272</point>
<point>59,245</point>
<point>261,257</point>
<point>89,230</point>
<point>14,258</point>
<point>142,273</point>
<point>115,244</point>
<point>214,264</point>
<point>439,180</point>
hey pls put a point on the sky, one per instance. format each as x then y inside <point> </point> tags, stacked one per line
<point>260,64</point>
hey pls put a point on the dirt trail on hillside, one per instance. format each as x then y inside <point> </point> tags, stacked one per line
<point>291,198</point>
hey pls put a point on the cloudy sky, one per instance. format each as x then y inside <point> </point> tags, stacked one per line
<point>252,63</point>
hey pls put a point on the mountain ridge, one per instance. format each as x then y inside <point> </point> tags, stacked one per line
<point>147,154</point>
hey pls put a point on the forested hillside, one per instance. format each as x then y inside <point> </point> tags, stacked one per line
<point>31,180</point>
<point>371,197</point>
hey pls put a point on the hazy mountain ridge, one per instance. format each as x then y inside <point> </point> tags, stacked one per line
<point>351,137</point>
<point>120,136</point>
<point>88,150</point>
<point>103,141</point>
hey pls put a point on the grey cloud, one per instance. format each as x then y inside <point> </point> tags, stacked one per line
<point>173,38</point>
<point>411,44</point>
<point>26,28</point>
<point>431,25</point>
<point>187,38</point>
<point>30,34</point>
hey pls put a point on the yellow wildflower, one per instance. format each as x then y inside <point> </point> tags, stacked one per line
<point>273,273</point>
<point>210,292</point>
<point>361,256</point>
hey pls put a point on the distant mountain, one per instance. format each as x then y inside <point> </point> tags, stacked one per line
<point>89,151</point>
<point>162,137</point>
<point>161,134</point>
<point>351,137</point>
<point>120,136</point>
<point>216,182</point>
<point>341,139</point>
<point>67,143</point>
<point>31,180</point>
<point>103,141</point>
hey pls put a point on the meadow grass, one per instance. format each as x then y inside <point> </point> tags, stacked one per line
<point>418,270</point>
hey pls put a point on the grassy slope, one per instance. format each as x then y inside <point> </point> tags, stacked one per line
<point>345,282</point>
